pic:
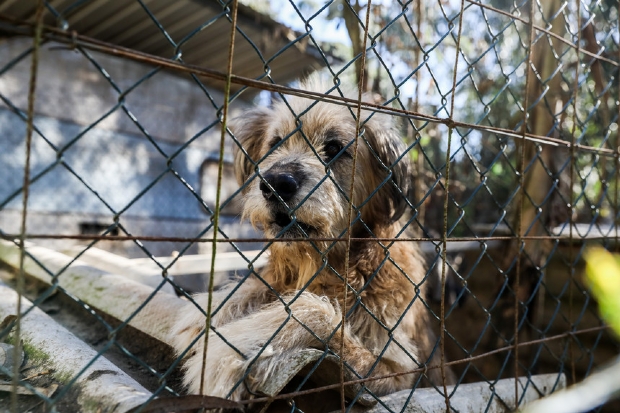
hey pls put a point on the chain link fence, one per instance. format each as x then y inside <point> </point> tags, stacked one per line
<point>119,158</point>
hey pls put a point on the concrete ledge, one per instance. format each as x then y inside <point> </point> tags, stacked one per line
<point>471,397</point>
<point>201,263</point>
<point>115,264</point>
<point>112,294</point>
<point>188,271</point>
<point>100,387</point>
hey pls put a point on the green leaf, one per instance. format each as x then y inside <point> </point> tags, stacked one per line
<point>603,275</point>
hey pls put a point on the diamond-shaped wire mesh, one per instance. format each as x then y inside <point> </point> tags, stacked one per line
<point>482,162</point>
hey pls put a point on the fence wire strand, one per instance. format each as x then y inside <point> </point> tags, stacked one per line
<point>521,200</point>
<point>571,202</point>
<point>22,246</point>
<point>446,202</point>
<point>220,169</point>
<point>358,131</point>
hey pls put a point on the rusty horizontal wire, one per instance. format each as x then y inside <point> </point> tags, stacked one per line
<point>149,238</point>
<point>74,39</point>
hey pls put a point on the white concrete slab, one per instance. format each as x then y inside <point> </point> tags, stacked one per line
<point>100,384</point>
<point>470,397</point>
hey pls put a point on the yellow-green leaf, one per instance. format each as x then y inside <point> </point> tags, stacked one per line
<point>603,273</point>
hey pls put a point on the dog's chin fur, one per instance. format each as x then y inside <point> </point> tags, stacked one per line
<point>391,325</point>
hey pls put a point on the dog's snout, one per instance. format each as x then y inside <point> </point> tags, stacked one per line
<point>285,184</point>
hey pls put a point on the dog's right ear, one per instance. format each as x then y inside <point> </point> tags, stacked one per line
<point>389,157</point>
<point>249,132</point>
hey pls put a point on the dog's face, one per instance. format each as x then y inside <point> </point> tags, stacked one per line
<point>298,169</point>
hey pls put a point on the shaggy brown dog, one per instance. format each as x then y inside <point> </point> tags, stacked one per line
<point>296,162</point>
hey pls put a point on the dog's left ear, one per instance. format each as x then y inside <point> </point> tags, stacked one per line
<point>389,158</point>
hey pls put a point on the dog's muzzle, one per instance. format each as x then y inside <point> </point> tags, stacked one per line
<point>285,184</point>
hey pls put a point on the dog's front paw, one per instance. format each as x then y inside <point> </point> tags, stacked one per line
<point>215,373</point>
<point>219,374</point>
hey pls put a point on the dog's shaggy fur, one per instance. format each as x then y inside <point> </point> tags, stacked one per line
<point>298,173</point>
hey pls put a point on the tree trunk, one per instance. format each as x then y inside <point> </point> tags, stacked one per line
<point>542,121</point>
<point>354,28</point>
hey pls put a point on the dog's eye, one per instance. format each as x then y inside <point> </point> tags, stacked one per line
<point>274,141</point>
<point>331,149</point>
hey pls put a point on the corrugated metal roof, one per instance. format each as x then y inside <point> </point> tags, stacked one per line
<point>199,28</point>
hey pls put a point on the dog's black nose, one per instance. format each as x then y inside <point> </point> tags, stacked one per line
<point>285,185</point>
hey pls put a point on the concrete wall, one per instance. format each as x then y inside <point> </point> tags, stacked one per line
<point>98,161</point>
